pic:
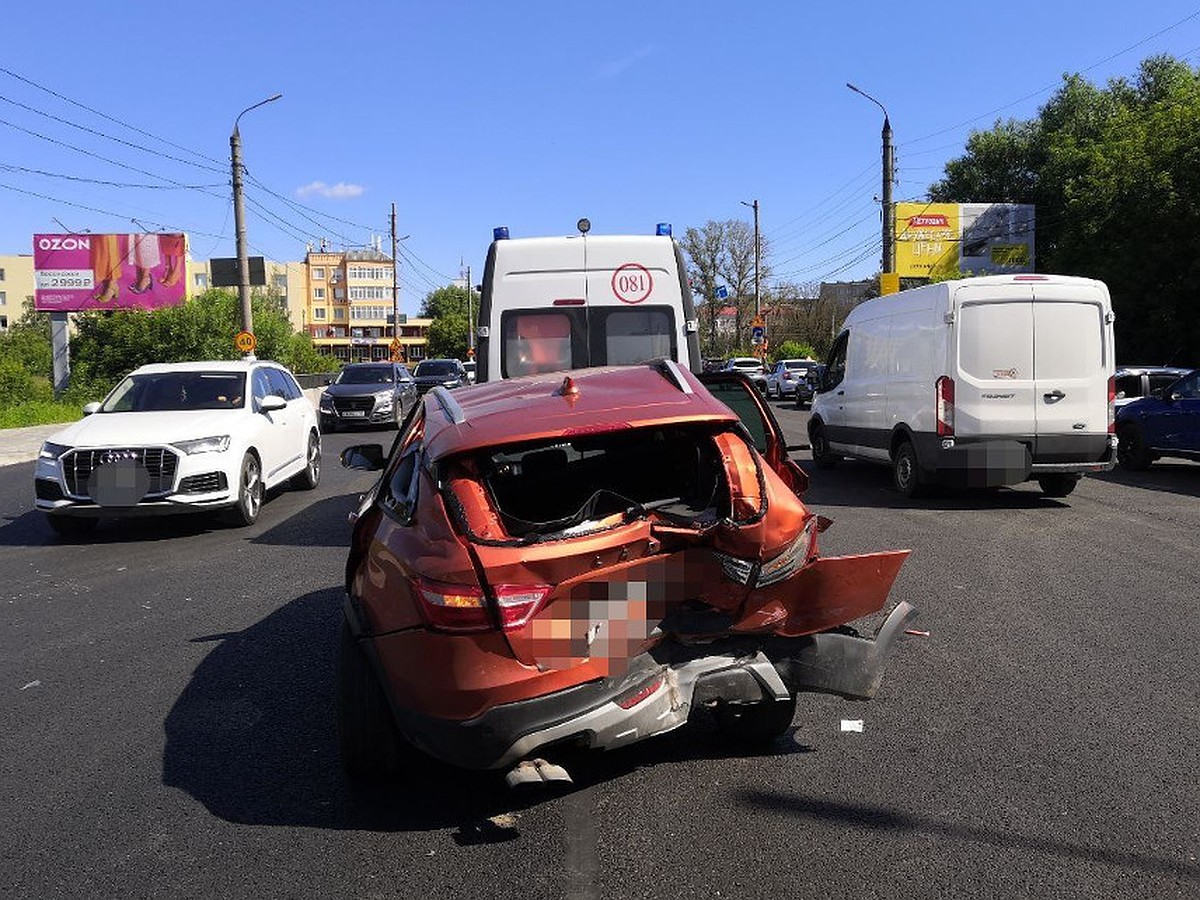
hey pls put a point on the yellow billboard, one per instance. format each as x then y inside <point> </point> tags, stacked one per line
<point>928,237</point>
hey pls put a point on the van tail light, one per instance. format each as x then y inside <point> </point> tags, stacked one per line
<point>463,607</point>
<point>945,406</point>
<point>1112,404</point>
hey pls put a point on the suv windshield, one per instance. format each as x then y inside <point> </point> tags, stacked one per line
<point>436,367</point>
<point>166,391</point>
<point>365,375</point>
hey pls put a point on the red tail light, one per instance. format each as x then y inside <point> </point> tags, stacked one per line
<point>463,607</point>
<point>945,406</point>
<point>1112,404</point>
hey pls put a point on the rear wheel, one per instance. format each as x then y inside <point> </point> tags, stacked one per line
<point>1059,484</point>
<point>250,493</point>
<point>371,747</point>
<point>71,526</point>
<point>755,724</point>
<point>310,477</point>
<point>1132,449</point>
<point>820,447</point>
<point>906,474</point>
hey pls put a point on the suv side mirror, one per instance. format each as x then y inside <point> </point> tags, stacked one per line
<point>90,408</point>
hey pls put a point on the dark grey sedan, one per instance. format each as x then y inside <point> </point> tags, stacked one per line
<point>448,373</point>
<point>377,393</point>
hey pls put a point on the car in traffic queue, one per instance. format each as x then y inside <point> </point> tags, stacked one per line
<point>807,388</point>
<point>589,558</point>
<point>181,438</point>
<point>785,375</point>
<point>751,367</point>
<point>469,368</point>
<point>1167,423</point>
<point>368,393</point>
<point>447,373</point>
<point>1134,382</point>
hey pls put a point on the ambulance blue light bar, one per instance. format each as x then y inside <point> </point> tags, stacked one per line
<point>500,234</point>
<point>663,229</point>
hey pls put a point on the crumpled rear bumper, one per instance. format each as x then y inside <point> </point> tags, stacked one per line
<point>659,691</point>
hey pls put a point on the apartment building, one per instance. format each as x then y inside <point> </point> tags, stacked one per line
<point>16,283</point>
<point>350,308</point>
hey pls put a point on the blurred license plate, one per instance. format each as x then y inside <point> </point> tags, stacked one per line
<point>354,414</point>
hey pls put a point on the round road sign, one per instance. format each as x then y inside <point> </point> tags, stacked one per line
<point>245,342</point>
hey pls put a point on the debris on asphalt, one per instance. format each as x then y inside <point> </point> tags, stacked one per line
<point>852,725</point>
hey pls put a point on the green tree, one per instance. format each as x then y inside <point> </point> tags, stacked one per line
<point>1115,175</point>
<point>447,307</point>
<point>793,350</point>
<point>722,253</point>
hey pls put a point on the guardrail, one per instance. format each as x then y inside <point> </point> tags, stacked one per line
<point>316,380</point>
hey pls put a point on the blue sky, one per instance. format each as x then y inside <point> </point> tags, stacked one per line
<point>525,114</point>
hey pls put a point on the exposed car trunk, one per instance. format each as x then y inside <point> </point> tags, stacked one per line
<point>646,534</point>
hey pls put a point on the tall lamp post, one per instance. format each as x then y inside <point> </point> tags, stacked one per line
<point>239,216</point>
<point>889,217</point>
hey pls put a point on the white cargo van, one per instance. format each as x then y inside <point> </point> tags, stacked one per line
<point>554,303</point>
<point>974,383</point>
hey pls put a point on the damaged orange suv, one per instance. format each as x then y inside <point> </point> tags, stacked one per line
<point>588,559</point>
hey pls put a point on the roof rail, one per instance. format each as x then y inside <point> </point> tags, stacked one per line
<point>449,405</point>
<point>670,370</point>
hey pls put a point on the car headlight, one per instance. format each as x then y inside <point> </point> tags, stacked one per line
<point>215,444</point>
<point>383,398</point>
<point>325,401</point>
<point>52,451</point>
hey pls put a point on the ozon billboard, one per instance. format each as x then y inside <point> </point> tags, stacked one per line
<point>108,271</point>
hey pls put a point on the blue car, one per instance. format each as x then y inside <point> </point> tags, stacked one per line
<point>1164,424</point>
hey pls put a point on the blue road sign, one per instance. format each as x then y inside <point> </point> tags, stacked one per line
<point>722,292</point>
<point>757,333</point>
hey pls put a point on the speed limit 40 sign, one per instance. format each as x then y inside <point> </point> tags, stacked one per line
<point>244,342</point>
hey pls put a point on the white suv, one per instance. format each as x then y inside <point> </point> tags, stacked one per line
<point>181,437</point>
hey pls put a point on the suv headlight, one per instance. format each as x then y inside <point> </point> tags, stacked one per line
<point>325,401</point>
<point>383,398</point>
<point>216,444</point>
<point>52,451</point>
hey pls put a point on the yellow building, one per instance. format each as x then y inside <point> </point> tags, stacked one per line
<point>350,308</point>
<point>16,284</point>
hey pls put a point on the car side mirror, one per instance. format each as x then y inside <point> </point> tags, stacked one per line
<point>271,402</point>
<point>89,408</point>
<point>366,457</point>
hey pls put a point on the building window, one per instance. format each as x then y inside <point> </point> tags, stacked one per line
<point>1,274</point>
<point>318,293</point>
<point>3,323</point>
<point>368,273</point>
<point>369,293</point>
<point>318,313</point>
<point>281,282</point>
<point>318,273</point>
<point>339,313</point>
<point>3,297</point>
<point>339,294</point>
<point>201,279</point>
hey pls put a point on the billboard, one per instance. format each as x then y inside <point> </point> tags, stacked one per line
<point>108,271</point>
<point>935,239</point>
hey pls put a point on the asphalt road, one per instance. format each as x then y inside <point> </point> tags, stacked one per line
<point>167,729</point>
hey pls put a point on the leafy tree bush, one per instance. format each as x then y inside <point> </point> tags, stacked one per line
<point>793,350</point>
<point>448,332</point>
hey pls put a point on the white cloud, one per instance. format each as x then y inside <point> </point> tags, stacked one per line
<point>339,191</point>
<point>617,66</point>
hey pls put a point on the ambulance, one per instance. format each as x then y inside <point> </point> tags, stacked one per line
<point>552,304</point>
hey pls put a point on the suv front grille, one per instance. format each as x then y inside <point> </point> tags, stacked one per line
<point>344,404</point>
<point>159,462</point>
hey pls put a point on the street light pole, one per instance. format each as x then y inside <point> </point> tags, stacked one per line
<point>239,217</point>
<point>889,176</point>
<point>757,247</point>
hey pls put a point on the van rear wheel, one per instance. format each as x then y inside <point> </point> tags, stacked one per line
<point>820,447</point>
<point>1058,485</point>
<point>906,474</point>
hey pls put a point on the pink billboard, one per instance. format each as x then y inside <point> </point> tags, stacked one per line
<point>108,271</point>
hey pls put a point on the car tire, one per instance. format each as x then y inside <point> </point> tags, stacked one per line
<point>370,744</point>
<point>71,526</point>
<point>1059,484</point>
<point>755,724</point>
<point>1132,451</point>
<point>310,476</point>
<point>820,447</point>
<point>250,493</point>
<point>906,471</point>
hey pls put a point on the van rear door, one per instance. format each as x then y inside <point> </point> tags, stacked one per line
<point>1071,364</point>
<point>995,385</point>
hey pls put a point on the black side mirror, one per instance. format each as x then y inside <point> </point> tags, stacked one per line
<point>366,457</point>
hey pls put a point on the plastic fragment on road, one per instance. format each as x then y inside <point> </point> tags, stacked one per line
<point>852,725</point>
<point>917,632</point>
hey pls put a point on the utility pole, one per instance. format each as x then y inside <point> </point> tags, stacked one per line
<point>757,251</point>
<point>889,176</point>
<point>239,218</point>
<point>395,283</point>
<point>470,319</point>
